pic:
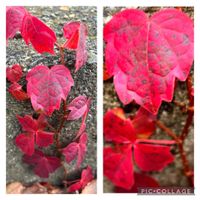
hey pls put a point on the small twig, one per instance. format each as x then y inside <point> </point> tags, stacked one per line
<point>187,171</point>
<point>57,139</point>
<point>189,119</point>
<point>62,55</point>
<point>168,131</point>
<point>183,106</point>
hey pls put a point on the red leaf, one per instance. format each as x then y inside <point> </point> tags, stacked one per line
<point>47,87</point>
<point>38,34</point>
<point>71,33</point>
<point>35,128</point>
<point>16,91</point>
<point>14,18</point>
<point>106,75</point>
<point>76,33</point>
<point>78,107</point>
<point>28,123</point>
<point>43,138</point>
<point>145,67</point>
<point>43,165</point>
<point>25,142</point>
<point>117,128</point>
<point>14,73</point>
<point>86,177</point>
<point>121,130</point>
<point>118,166</point>
<point>144,123</point>
<point>152,155</point>
<point>141,181</point>
<point>76,149</point>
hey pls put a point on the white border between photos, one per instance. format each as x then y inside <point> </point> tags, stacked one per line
<point>100,4</point>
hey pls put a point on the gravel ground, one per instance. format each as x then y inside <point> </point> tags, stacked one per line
<point>85,84</point>
<point>169,114</point>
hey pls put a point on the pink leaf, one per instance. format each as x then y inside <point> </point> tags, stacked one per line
<point>78,107</point>
<point>38,34</point>
<point>17,92</point>
<point>141,181</point>
<point>86,177</point>
<point>76,149</point>
<point>71,33</point>
<point>47,87</point>
<point>145,67</point>
<point>43,165</point>
<point>81,52</point>
<point>118,166</point>
<point>14,18</point>
<point>14,73</point>
<point>25,142</point>
<point>152,156</point>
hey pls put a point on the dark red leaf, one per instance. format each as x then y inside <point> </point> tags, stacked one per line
<point>44,138</point>
<point>35,128</point>
<point>152,155</point>
<point>28,123</point>
<point>145,67</point>
<point>14,73</point>
<point>117,128</point>
<point>42,122</point>
<point>78,107</point>
<point>86,177</point>
<point>38,34</point>
<point>144,123</point>
<point>17,92</point>
<point>43,165</point>
<point>47,87</point>
<point>141,181</point>
<point>75,149</point>
<point>118,166</point>
<point>25,142</point>
<point>14,18</point>
<point>71,33</point>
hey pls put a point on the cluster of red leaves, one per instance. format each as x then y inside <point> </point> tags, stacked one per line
<point>42,37</point>
<point>14,74</point>
<point>130,139</point>
<point>47,88</point>
<point>145,55</point>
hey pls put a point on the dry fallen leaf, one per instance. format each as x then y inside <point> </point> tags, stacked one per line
<point>14,188</point>
<point>90,188</point>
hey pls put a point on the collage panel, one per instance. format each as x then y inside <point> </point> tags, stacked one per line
<point>51,99</point>
<point>148,100</point>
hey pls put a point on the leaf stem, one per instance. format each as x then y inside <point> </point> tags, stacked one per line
<point>62,55</point>
<point>189,119</point>
<point>168,131</point>
<point>57,139</point>
<point>187,171</point>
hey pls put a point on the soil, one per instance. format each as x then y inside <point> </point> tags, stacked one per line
<point>85,84</point>
<point>169,114</point>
